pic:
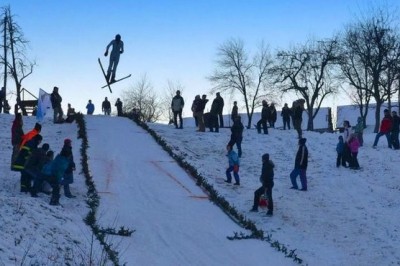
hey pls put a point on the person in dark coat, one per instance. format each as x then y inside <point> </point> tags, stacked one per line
<point>213,119</point>
<point>177,105</point>
<point>33,168</point>
<point>70,114</point>
<point>68,175</point>
<point>340,151</point>
<point>194,108</point>
<point>286,113</point>
<point>118,104</point>
<point>235,111</point>
<point>56,100</point>
<point>220,107</point>
<point>297,112</point>
<point>272,116</point>
<point>264,118</point>
<point>16,135</point>
<point>2,99</point>
<point>267,181</point>
<point>300,166</point>
<point>394,132</point>
<point>23,156</point>
<point>106,106</point>
<point>237,135</point>
<point>198,106</point>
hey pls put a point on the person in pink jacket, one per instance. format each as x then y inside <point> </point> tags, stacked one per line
<point>354,144</point>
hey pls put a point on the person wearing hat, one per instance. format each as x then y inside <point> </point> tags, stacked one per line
<point>267,183</point>
<point>56,100</point>
<point>300,166</point>
<point>56,173</point>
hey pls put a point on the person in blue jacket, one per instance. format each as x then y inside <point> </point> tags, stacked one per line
<point>90,107</point>
<point>233,160</point>
<point>55,172</point>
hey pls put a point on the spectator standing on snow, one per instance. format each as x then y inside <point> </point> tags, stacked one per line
<point>339,151</point>
<point>220,108</point>
<point>384,129</point>
<point>33,167</point>
<point>118,104</point>
<point>297,112</point>
<point>235,111</point>
<point>16,135</point>
<point>394,132</point>
<point>69,172</point>
<point>106,107</point>
<point>272,115</point>
<point>56,171</point>
<point>2,99</point>
<point>359,129</point>
<point>213,120</point>
<point>285,113</point>
<point>177,105</point>
<point>23,156</point>
<point>264,118</point>
<point>233,161</point>
<point>300,166</point>
<point>237,135</point>
<point>90,107</point>
<point>346,149</point>
<point>70,114</point>
<point>56,100</point>
<point>196,107</point>
<point>267,181</point>
<point>354,144</point>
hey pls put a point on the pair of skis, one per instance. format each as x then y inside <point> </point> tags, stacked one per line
<point>105,77</point>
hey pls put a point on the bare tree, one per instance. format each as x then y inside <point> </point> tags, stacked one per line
<point>355,73</point>
<point>374,43</point>
<point>308,70</point>
<point>20,67</point>
<point>142,97</point>
<point>236,72</point>
<point>169,93</point>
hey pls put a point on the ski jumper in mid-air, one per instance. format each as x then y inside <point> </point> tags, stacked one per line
<point>117,49</point>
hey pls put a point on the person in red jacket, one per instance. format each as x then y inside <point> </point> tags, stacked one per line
<point>386,126</point>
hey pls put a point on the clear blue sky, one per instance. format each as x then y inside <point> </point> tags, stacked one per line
<point>173,40</point>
